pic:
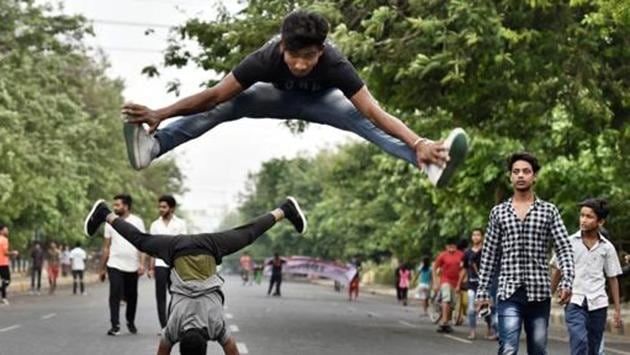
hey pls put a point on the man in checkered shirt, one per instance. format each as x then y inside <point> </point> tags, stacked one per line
<point>518,236</point>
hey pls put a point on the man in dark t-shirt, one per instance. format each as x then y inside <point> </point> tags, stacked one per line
<point>276,274</point>
<point>297,75</point>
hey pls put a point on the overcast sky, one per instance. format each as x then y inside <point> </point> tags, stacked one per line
<point>215,165</point>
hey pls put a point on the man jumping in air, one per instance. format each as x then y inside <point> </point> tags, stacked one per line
<point>196,309</point>
<point>297,75</point>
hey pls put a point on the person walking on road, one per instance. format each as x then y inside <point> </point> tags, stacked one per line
<point>404,278</point>
<point>596,261</point>
<point>123,264</point>
<point>196,308</point>
<point>471,262</point>
<point>53,257</point>
<point>5,260</point>
<point>246,268</point>
<point>518,235</point>
<point>446,269</point>
<point>276,274</point>
<point>167,224</point>
<point>78,256</point>
<point>37,264</point>
<point>424,284</point>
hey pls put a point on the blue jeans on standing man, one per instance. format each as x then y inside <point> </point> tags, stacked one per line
<point>586,328</point>
<point>263,100</point>
<point>515,312</point>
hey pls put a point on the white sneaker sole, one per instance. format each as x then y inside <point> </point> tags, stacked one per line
<point>87,219</point>
<point>299,210</point>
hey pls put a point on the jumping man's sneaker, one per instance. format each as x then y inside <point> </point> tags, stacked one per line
<point>294,214</point>
<point>457,145</point>
<point>140,145</point>
<point>113,331</point>
<point>96,217</point>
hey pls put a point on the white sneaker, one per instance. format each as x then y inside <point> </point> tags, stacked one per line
<point>457,146</point>
<point>5,301</point>
<point>140,145</point>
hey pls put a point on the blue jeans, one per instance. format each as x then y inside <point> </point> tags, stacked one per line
<point>515,312</point>
<point>586,328</point>
<point>263,100</point>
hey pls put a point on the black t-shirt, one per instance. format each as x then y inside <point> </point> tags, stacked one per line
<point>276,266</point>
<point>266,64</point>
<point>471,258</point>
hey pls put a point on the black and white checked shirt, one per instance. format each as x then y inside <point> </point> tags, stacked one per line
<point>519,249</point>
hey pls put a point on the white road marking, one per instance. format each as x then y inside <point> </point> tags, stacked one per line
<point>9,328</point>
<point>407,324</point>
<point>234,328</point>
<point>229,316</point>
<point>242,348</point>
<point>48,316</point>
<point>458,339</point>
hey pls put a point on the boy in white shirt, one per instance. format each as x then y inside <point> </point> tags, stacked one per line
<point>78,256</point>
<point>595,262</point>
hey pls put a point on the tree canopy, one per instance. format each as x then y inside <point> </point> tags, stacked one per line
<point>59,116</point>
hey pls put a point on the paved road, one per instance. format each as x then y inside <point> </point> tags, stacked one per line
<point>307,320</point>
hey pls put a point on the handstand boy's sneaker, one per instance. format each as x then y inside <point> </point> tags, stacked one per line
<point>140,145</point>
<point>457,146</point>
<point>294,214</point>
<point>96,217</point>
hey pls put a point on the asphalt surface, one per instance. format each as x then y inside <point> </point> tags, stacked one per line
<point>307,320</point>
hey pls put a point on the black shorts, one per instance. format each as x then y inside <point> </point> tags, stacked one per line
<point>5,273</point>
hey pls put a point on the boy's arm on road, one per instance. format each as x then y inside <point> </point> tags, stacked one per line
<point>230,348</point>
<point>164,348</point>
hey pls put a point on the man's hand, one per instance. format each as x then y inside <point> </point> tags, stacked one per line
<point>150,273</point>
<point>617,319</point>
<point>141,270</point>
<point>564,295</point>
<point>428,152</point>
<point>102,275</point>
<point>141,114</point>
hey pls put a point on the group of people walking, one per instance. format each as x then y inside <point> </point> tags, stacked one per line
<point>510,280</point>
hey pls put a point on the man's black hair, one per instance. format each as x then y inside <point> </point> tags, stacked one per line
<point>598,205</point>
<point>193,343</point>
<point>125,198</point>
<point>478,229</point>
<point>528,157</point>
<point>302,28</point>
<point>169,200</point>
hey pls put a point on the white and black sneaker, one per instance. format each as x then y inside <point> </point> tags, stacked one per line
<point>294,214</point>
<point>457,146</point>
<point>96,217</point>
<point>141,146</point>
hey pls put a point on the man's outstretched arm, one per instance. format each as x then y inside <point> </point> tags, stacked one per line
<point>426,151</point>
<point>227,88</point>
